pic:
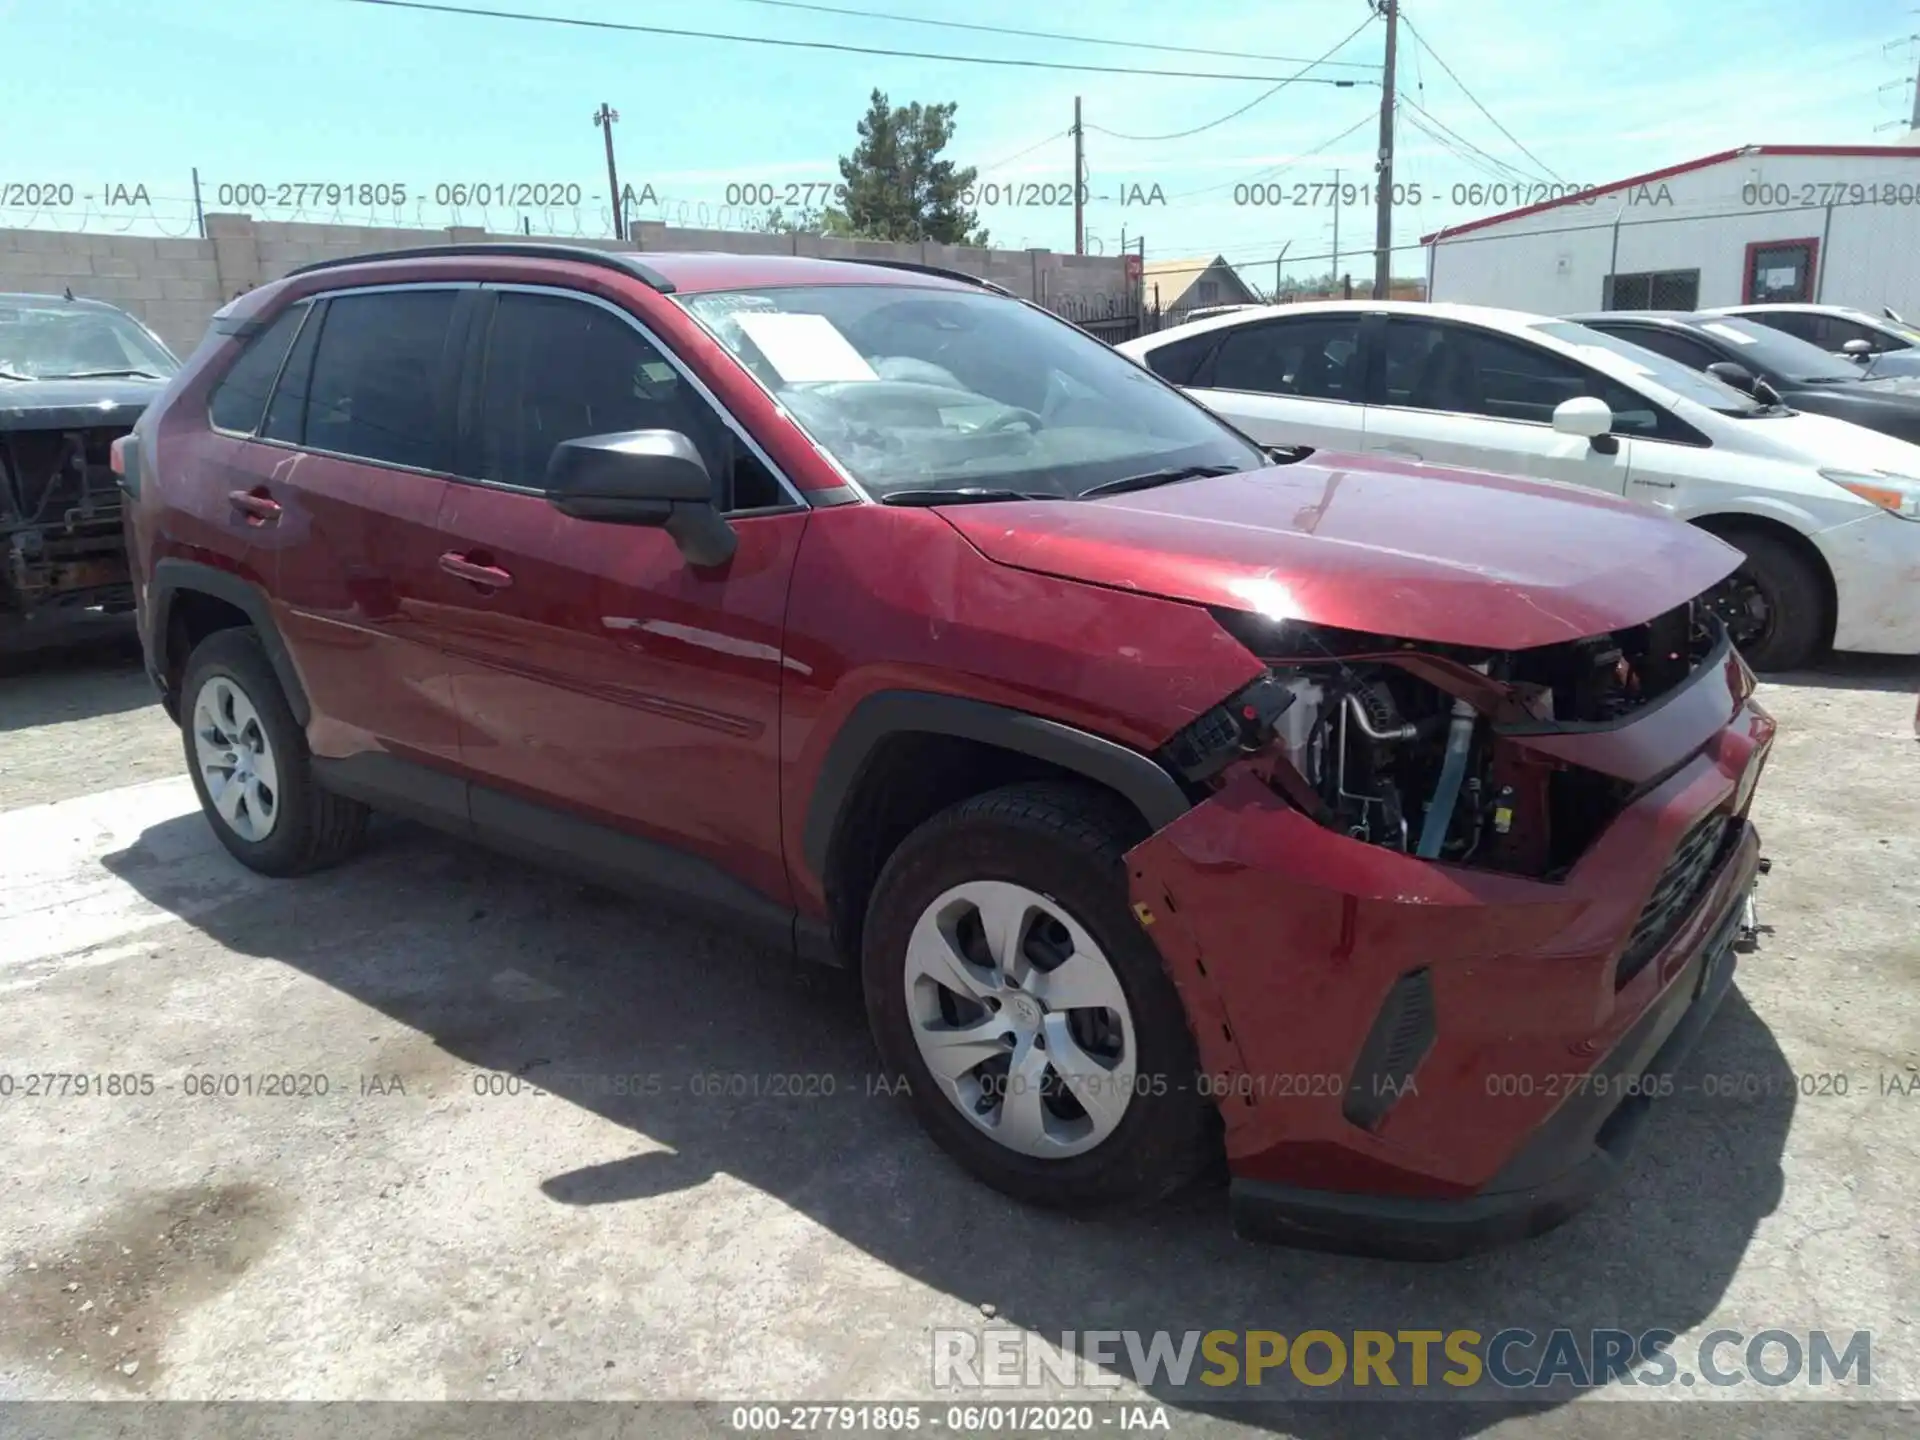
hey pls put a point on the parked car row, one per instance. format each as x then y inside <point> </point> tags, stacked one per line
<point>1801,462</point>
<point>1171,793</point>
<point>1883,344</point>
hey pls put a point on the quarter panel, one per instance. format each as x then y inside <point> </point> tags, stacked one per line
<point>895,599</point>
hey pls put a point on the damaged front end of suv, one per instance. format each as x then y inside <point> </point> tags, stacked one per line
<point>1446,916</point>
<point>75,375</point>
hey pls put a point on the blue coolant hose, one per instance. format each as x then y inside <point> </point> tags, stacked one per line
<point>1433,832</point>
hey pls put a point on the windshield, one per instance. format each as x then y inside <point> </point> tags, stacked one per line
<point>53,340</point>
<point>920,389</point>
<point>1765,350</point>
<point>1897,328</point>
<point>1687,383</point>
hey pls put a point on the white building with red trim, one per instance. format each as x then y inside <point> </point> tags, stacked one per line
<point>1835,224</point>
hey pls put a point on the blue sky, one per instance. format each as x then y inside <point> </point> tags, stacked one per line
<point>286,91</point>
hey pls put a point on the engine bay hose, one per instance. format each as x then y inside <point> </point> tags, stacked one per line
<point>1453,770</point>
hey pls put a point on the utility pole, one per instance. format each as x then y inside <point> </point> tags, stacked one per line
<point>604,118</point>
<point>1079,161</point>
<point>1334,269</point>
<point>199,215</point>
<point>1383,202</point>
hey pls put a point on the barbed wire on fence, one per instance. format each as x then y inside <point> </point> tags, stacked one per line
<point>1680,214</point>
<point>175,216</point>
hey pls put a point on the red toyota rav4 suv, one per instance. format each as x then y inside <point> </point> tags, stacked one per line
<point>1379,823</point>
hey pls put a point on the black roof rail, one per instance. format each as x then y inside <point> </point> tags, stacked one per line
<point>622,260</point>
<point>940,270</point>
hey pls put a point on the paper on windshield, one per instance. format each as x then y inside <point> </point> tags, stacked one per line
<point>803,347</point>
<point>1727,332</point>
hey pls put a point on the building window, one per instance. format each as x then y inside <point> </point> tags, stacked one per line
<point>1207,291</point>
<point>1780,272</point>
<point>1652,290</point>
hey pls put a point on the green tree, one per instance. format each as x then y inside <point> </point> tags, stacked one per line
<point>809,221</point>
<point>898,187</point>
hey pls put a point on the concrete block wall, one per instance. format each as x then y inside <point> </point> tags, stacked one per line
<point>175,285</point>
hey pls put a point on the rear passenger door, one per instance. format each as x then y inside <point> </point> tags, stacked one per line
<point>1290,382</point>
<point>596,671</point>
<point>362,418</point>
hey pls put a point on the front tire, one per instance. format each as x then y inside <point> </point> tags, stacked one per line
<point>251,767</point>
<point>1774,605</point>
<point>1009,985</point>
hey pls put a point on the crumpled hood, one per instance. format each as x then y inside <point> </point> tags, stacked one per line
<point>1418,552</point>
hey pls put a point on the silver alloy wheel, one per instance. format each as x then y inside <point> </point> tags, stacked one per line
<point>236,760</point>
<point>1020,1018</point>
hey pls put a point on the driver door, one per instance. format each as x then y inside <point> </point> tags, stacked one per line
<point>1459,395</point>
<point>594,671</point>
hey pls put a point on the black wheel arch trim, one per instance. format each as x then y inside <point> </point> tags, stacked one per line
<point>1147,785</point>
<point>172,576</point>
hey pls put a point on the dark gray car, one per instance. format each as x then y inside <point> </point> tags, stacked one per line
<point>74,376</point>
<point>1746,354</point>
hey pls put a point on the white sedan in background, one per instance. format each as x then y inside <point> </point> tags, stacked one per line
<point>1826,512</point>
<point>1882,344</point>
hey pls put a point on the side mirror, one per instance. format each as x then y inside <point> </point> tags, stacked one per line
<point>1583,415</point>
<point>642,477</point>
<point>1728,373</point>
<point>1856,349</point>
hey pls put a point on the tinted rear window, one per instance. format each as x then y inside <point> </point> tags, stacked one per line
<point>1181,361</point>
<point>376,377</point>
<point>240,398</point>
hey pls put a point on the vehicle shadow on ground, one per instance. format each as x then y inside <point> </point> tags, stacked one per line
<point>1893,674</point>
<point>73,682</point>
<point>448,939</point>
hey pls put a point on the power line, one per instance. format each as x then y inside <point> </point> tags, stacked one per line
<point>1263,251</point>
<point>580,22</point>
<point>1461,148</point>
<point>1498,174</point>
<point>1040,34</point>
<point>1285,165</point>
<point>1182,134</point>
<point>1018,154</point>
<point>1426,45</point>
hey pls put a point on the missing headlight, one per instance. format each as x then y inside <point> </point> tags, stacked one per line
<point>1424,749</point>
<point>1239,725</point>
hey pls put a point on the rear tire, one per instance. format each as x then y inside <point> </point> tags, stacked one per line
<point>1792,632</point>
<point>1041,863</point>
<point>251,767</point>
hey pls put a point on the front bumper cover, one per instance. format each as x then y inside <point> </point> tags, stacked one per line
<point>1875,562</point>
<point>1533,1019</point>
<point>1578,1154</point>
